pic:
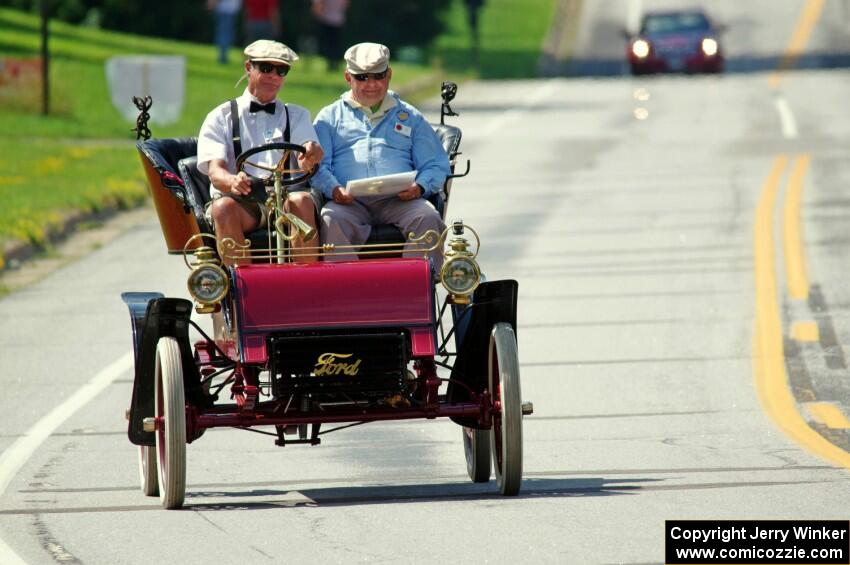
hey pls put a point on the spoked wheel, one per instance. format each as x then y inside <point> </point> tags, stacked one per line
<point>148,475</point>
<point>476,447</point>
<point>506,435</point>
<point>171,437</point>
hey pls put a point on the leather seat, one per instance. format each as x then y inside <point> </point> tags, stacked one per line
<point>164,155</point>
<point>198,189</point>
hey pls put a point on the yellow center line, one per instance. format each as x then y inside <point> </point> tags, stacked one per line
<point>805,331</point>
<point>805,23</point>
<point>771,377</point>
<point>795,260</point>
<point>828,414</point>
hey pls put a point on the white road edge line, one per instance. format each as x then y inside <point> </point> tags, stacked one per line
<point>16,456</point>
<point>786,118</point>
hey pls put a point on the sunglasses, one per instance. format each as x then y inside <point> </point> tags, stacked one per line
<point>363,77</point>
<point>266,68</point>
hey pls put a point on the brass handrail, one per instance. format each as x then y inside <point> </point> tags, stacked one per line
<point>424,244</point>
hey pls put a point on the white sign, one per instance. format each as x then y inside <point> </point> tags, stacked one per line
<point>160,77</point>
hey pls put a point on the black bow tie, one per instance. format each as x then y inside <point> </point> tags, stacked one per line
<point>255,107</point>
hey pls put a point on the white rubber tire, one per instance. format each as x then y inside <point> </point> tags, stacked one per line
<point>506,435</point>
<point>171,439</point>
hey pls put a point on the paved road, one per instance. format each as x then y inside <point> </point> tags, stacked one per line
<point>671,361</point>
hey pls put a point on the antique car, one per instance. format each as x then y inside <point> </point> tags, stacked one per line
<point>675,41</point>
<point>379,338</point>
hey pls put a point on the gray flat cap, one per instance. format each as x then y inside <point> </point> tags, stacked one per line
<point>271,51</point>
<point>367,58</point>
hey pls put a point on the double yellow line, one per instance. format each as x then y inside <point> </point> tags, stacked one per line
<point>771,376</point>
<point>805,23</point>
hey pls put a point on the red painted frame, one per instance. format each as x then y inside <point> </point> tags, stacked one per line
<point>271,298</point>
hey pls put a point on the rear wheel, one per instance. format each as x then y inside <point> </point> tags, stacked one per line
<point>171,435</point>
<point>148,471</point>
<point>476,447</point>
<point>506,435</point>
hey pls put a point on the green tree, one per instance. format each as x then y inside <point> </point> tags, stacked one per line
<point>395,23</point>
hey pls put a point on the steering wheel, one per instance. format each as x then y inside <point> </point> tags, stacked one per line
<point>295,176</point>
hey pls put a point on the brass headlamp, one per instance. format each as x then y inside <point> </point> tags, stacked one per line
<point>460,274</point>
<point>208,283</point>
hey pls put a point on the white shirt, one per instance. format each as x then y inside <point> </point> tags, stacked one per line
<point>215,141</point>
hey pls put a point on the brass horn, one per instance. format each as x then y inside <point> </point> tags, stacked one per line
<point>306,229</point>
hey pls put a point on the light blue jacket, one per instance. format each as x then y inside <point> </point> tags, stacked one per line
<point>402,141</point>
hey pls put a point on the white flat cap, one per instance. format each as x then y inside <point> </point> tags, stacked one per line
<point>271,51</point>
<point>367,58</point>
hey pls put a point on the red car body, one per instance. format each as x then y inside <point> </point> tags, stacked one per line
<point>380,293</point>
<point>684,41</point>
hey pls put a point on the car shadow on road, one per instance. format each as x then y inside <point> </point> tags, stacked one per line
<point>410,493</point>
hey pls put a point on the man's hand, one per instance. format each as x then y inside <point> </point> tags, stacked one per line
<point>342,196</point>
<point>226,182</point>
<point>240,183</point>
<point>312,155</point>
<point>412,193</point>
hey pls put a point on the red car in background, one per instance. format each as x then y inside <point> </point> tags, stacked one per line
<point>675,41</point>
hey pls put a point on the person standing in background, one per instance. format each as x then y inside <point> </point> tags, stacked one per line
<point>262,20</point>
<point>225,13</point>
<point>330,17</point>
<point>472,9</point>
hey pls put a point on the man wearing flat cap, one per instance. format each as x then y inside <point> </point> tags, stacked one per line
<point>371,132</point>
<point>255,118</point>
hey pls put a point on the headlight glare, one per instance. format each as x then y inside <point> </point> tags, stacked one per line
<point>640,48</point>
<point>709,46</point>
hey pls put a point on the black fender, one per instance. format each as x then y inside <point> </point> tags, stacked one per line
<point>161,317</point>
<point>492,302</point>
<point>137,302</point>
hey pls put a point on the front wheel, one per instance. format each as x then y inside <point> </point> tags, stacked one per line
<point>506,435</point>
<point>171,435</point>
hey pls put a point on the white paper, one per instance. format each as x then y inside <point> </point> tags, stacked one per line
<point>385,185</point>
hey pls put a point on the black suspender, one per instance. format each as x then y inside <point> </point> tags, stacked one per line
<point>286,136</point>
<point>234,118</point>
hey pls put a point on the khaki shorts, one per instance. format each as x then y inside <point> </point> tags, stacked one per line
<point>253,207</point>
<point>256,210</point>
